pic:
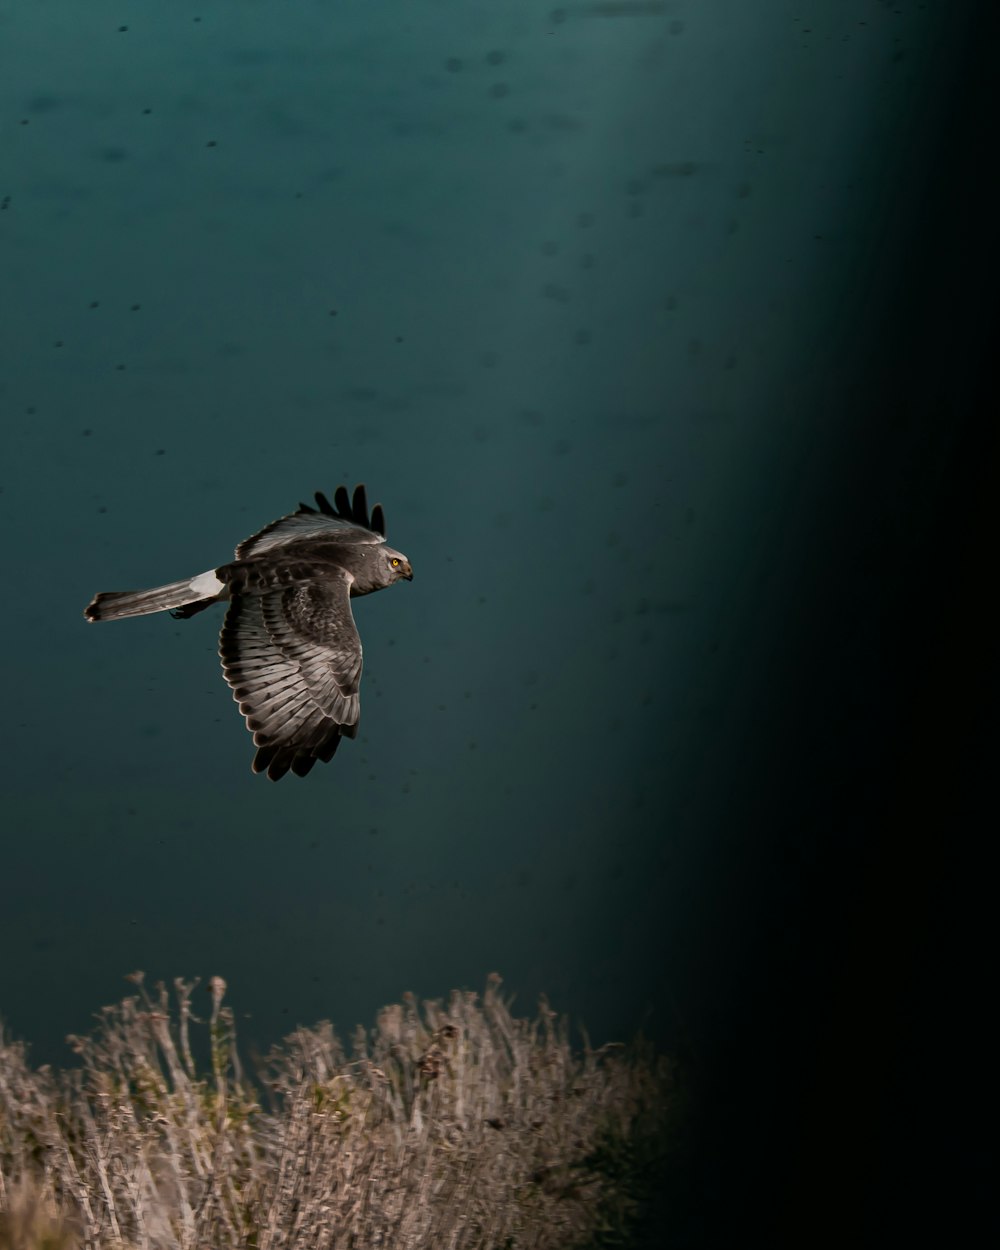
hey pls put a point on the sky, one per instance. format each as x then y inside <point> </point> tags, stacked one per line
<point>574,290</point>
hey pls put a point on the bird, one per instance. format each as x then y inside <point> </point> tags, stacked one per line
<point>289,646</point>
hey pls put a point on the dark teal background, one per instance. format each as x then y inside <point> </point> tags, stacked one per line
<point>656,328</point>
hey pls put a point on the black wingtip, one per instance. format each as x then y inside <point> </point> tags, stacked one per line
<point>272,760</point>
<point>350,508</point>
<point>277,761</point>
<point>360,506</point>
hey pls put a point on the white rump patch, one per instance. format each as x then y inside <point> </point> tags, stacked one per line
<point>206,585</point>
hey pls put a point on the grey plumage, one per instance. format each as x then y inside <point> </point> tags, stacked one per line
<point>290,649</point>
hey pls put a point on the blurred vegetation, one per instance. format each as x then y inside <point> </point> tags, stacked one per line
<point>453,1126</point>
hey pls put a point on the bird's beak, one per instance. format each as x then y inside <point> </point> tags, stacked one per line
<point>408,571</point>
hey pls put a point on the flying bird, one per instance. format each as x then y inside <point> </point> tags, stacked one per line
<point>289,646</point>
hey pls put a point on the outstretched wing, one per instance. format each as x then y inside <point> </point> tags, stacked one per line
<point>292,656</point>
<point>345,520</point>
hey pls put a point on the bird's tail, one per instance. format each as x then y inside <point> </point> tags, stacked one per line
<point>182,598</point>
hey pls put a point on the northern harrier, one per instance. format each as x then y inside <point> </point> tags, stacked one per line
<point>289,646</point>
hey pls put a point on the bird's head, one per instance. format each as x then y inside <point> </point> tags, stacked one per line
<point>397,565</point>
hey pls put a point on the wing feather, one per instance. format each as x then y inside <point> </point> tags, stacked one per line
<point>345,521</point>
<point>360,506</point>
<point>292,656</point>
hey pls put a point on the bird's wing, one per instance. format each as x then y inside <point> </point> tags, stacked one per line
<point>346,520</point>
<point>292,656</point>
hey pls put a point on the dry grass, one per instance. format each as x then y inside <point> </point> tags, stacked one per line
<point>451,1127</point>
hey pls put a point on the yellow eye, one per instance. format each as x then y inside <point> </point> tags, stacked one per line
<point>393,561</point>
